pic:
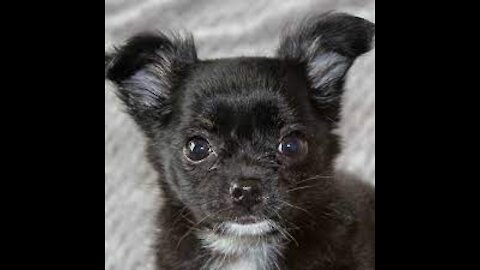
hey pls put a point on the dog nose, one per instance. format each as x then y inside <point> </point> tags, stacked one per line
<point>246,192</point>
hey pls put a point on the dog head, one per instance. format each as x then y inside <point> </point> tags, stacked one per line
<point>244,143</point>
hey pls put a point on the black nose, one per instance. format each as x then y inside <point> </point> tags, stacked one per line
<point>246,192</point>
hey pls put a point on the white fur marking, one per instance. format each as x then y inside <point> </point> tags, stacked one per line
<point>258,228</point>
<point>242,247</point>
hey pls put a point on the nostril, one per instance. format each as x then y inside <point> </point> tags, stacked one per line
<point>256,195</point>
<point>246,192</point>
<point>237,193</point>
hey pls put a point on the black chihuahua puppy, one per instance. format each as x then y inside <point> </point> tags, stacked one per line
<point>245,151</point>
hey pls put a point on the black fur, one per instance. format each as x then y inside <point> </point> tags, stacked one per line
<point>244,107</point>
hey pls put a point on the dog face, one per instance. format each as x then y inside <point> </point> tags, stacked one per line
<point>245,143</point>
<point>241,137</point>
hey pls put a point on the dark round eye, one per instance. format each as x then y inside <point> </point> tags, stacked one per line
<point>292,146</point>
<point>197,149</point>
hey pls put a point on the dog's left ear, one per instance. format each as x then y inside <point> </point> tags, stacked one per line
<point>327,46</point>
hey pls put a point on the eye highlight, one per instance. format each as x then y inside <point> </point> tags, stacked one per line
<point>197,149</point>
<point>293,146</point>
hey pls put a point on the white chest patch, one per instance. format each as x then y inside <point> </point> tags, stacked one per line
<point>242,247</point>
<point>244,263</point>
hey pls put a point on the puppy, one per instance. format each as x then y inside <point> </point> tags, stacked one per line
<point>245,151</point>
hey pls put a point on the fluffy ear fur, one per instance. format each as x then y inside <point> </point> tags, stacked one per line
<point>146,70</point>
<point>327,46</point>
<point>108,60</point>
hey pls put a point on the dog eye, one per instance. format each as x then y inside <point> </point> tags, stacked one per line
<point>197,149</point>
<point>292,146</point>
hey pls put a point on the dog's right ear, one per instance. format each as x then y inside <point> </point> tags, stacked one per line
<point>146,70</point>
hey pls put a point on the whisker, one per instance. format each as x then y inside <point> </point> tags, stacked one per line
<point>300,188</point>
<point>282,219</point>
<point>215,213</point>
<point>296,207</point>
<point>281,230</point>
<point>315,177</point>
<point>177,216</point>
<point>181,215</point>
<point>198,223</point>
<point>286,235</point>
<point>190,230</point>
<point>187,219</point>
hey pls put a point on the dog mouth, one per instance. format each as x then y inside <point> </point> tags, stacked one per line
<point>246,220</point>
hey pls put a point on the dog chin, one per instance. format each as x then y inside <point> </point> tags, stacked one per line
<point>257,228</point>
